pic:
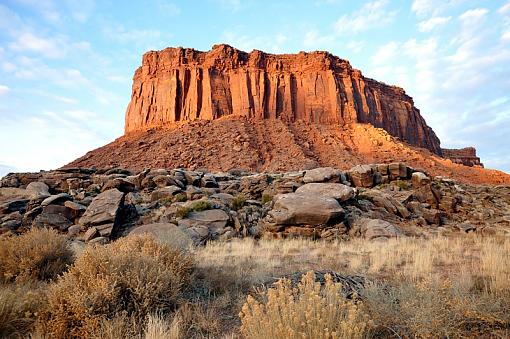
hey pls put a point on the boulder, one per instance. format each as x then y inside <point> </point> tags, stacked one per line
<point>105,210</point>
<point>322,174</point>
<point>375,228</point>
<point>57,199</point>
<point>336,191</point>
<point>164,192</point>
<point>296,209</point>
<point>166,233</point>
<point>53,216</point>
<point>361,176</point>
<point>204,225</point>
<point>397,170</point>
<point>121,184</point>
<point>38,190</point>
<point>419,179</point>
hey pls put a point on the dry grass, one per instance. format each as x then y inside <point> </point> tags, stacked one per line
<point>40,254</point>
<point>308,311</point>
<point>132,277</point>
<point>137,287</point>
<point>20,305</point>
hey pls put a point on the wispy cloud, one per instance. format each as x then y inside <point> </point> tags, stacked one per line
<point>430,24</point>
<point>371,15</point>
<point>4,89</point>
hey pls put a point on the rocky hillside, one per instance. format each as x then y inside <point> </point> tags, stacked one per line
<point>370,201</point>
<point>272,145</point>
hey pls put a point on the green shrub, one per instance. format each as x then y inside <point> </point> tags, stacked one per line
<point>180,197</point>
<point>266,198</point>
<point>238,202</point>
<point>132,277</point>
<point>182,212</point>
<point>40,254</point>
<point>201,205</point>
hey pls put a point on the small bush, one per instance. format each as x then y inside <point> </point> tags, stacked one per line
<point>40,254</point>
<point>182,212</point>
<point>166,201</point>
<point>238,202</point>
<point>133,277</point>
<point>201,205</point>
<point>19,307</point>
<point>266,198</point>
<point>307,311</point>
<point>180,197</point>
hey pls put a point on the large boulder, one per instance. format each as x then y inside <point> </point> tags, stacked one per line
<point>54,216</point>
<point>375,229</point>
<point>419,179</point>
<point>336,191</point>
<point>302,209</point>
<point>362,176</point>
<point>166,233</point>
<point>164,193</point>
<point>38,190</point>
<point>104,212</point>
<point>323,174</point>
<point>204,225</point>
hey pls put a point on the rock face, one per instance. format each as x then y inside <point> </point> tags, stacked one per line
<point>466,156</point>
<point>181,84</point>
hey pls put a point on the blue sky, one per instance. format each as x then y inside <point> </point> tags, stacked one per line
<point>66,66</point>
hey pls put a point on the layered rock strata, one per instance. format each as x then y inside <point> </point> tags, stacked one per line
<point>465,156</point>
<point>181,84</point>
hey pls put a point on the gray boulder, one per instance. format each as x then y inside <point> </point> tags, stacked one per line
<point>322,174</point>
<point>104,212</point>
<point>339,192</point>
<point>302,209</point>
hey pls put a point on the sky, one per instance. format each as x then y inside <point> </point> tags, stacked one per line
<point>66,66</point>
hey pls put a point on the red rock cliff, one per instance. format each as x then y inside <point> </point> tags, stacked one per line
<point>181,84</point>
<point>465,156</point>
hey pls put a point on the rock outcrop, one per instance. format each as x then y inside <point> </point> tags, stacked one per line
<point>465,156</point>
<point>328,203</point>
<point>182,84</point>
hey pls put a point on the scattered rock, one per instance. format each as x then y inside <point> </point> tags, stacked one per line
<point>339,192</point>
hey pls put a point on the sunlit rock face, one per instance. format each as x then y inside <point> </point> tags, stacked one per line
<point>181,84</point>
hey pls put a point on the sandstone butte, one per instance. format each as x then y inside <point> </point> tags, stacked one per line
<point>226,108</point>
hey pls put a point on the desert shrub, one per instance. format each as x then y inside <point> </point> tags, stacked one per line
<point>166,201</point>
<point>431,309</point>
<point>180,197</point>
<point>403,184</point>
<point>133,277</point>
<point>238,202</point>
<point>201,205</point>
<point>40,254</point>
<point>307,311</point>
<point>182,212</point>
<point>266,198</point>
<point>19,307</point>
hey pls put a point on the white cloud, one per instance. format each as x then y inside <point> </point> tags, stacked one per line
<point>386,54</point>
<point>430,24</point>
<point>4,89</point>
<point>505,8</point>
<point>168,8</point>
<point>424,8</point>
<point>370,16</point>
<point>473,15</point>
<point>273,44</point>
<point>32,43</point>
<point>356,46</point>
<point>139,36</point>
<point>312,39</point>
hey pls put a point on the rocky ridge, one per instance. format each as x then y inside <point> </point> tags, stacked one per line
<point>376,201</point>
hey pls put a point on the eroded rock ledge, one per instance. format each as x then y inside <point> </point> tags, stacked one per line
<point>183,84</point>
